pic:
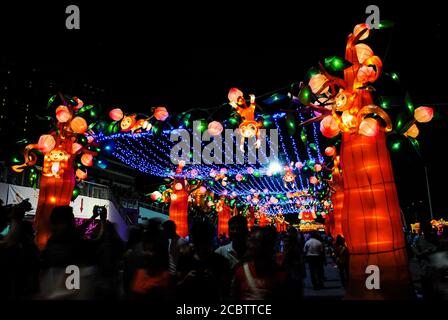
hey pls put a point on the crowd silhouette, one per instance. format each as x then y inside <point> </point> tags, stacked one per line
<point>156,264</point>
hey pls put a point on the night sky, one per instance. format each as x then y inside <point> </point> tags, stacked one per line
<point>137,57</point>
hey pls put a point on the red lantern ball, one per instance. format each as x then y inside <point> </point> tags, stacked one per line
<point>330,151</point>
<point>116,114</point>
<point>46,143</point>
<point>161,113</point>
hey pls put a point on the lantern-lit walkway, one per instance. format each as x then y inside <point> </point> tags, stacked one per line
<point>332,284</point>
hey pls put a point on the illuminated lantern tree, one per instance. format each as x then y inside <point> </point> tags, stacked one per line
<point>370,215</point>
<point>224,214</point>
<point>337,198</point>
<point>60,149</point>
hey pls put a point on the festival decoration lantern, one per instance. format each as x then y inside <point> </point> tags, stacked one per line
<point>370,219</point>
<point>248,128</point>
<point>161,114</point>
<point>314,180</point>
<point>46,143</point>
<point>368,127</point>
<point>62,114</point>
<point>60,148</point>
<point>289,177</point>
<point>87,159</point>
<point>81,175</point>
<point>156,195</point>
<point>330,151</point>
<point>307,212</point>
<point>215,128</point>
<point>178,211</point>
<point>280,223</point>
<point>223,218</point>
<point>318,84</point>
<point>412,132</point>
<point>116,114</point>
<point>79,125</point>
<point>423,114</point>
<point>329,127</point>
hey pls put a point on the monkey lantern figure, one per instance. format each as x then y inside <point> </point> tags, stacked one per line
<point>289,177</point>
<point>249,127</point>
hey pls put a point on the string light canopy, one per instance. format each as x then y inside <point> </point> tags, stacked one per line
<point>255,177</point>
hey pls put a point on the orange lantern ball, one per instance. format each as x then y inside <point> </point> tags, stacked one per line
<point>46,143</point>
<point>78,125</point>
<point>329,127</point>
<point>317,167</point>
<point>178,186</point>
<point>313,180</point>
<point>116,114</point>
<point>161,113</point>
<point>412,132</point>
<point>76,147</point>
<point>317,82</point>
<point>360,27</point>
<point>215,128</point>
<point>363,52</point>
<point>87,159</point>
<point>81,175</point>
<point>368,127</point>
<point>423,114</point>
<point>330,151</point>
<point>63,114</point>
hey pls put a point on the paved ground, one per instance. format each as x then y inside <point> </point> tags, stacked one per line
<point>332,285</point>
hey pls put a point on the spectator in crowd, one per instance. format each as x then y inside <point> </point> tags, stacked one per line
<point>236,249</point>
<point>203,275</point>
<point>176,245</point>
<point>152,279</point>
<point>19,260</point>
<point>259,277</point>
<point>314,250</point>
<point>342,259</point>
<point>293,264</point>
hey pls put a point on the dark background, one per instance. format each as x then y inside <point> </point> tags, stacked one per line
<point>137,55</point>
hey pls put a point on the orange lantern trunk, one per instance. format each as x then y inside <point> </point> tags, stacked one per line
<point>223,219</point>
<point>338,202</point>
<point>53,192</point>
<point>371,220</point>
<point>179,211</point>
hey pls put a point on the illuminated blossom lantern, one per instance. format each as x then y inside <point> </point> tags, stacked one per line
<point>161,114</point>
<point>423,114</point>
<point>63,114</point>
<point>46,143</point>
<point>87,159</point>
<point>329,127</point>
<point>116,114</point>
<point>215,128</point>
<point>79,125</point>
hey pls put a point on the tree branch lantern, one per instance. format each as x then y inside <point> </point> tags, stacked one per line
<point>365,199</point>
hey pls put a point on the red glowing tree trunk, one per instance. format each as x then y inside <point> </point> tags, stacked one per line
<point>179,211</point>
<point>223,219</point>
<point>371,221</point>
<point>338,202</point>
<point>53,192</point>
